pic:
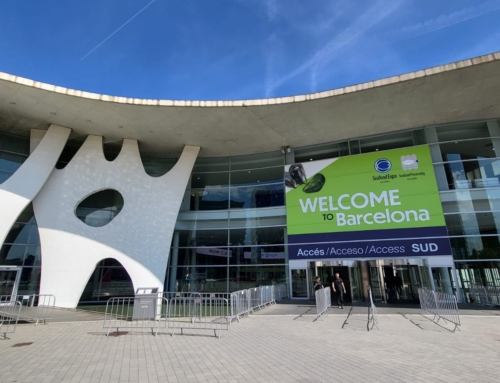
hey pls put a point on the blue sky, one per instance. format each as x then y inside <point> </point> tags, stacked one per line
<point>236,49</point>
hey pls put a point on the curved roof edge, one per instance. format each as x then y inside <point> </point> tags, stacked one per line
<point>265,101</point>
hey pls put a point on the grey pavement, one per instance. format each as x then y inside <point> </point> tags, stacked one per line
<point>277,347</point>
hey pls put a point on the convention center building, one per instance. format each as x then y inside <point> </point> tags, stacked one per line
<point>390,182</point>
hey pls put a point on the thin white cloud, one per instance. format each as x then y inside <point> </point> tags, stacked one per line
<point>116,31</point>
<point>447,20</point>
<point>271,9</point>
<point>374,15</point>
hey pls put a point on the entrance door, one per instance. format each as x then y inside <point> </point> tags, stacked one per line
<point>300,283</point>
<point>9,280</point>
<point>326,272</point>
<point>402,282</point>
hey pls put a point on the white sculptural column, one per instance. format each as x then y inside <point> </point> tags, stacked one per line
<point>22,187</point>
<point>138,237</point>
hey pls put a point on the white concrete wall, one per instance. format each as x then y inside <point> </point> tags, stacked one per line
<point>20,189</point>
<point>140,235</point>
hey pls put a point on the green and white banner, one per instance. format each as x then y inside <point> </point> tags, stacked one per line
<point>380,196</point>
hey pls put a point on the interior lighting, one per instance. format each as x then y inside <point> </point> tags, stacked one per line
<point>310,159</point>
<point>456,142</point>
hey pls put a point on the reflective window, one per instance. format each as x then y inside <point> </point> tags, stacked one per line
<point>203,180</point>
<point>109,279</point>
<point>156,167</point>
<point>464,248</point>
<point>255,161</point>
<point>257,196</point>
<point>473,223</point>
<point>386,142</point>
<point>247,277</point>
<point>256,176</point>
<point>100,208</point>
<point>14,151</point>
<point>467,150</point>
<point>211,198</point>
<point>201,279</point>
<point>481,173</point>
<point>463,131</point>
<point>251,255</point>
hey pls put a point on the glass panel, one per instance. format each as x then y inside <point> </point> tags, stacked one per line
<point>107,282</point>
<point>7,282</point>
<point>194,238</point>
<point>218,164</point>
<point>94,218</point>
<point>257,236</point>
<point>321,152</point>
<point>200,279</point>
<point>254,222</point>
<point>256,176</point>
<point>467,150</point>
<point>258,196</point>
<point>4,176</point>
<point>464,248</point>
<point>201,180</point>
<point>210,198</point>
<point>18,234</point>
<point>484,173</point>
<point>30,281</point>
<point>202,255</point>
<point>157,167</point>
<point>33,256</point>
<point>254,161</point>
<point>14,144</point>
<point>11,255</point>
<point>462,131</point>
<point>473,224</point>
<point>299,283</point>
<point>386,142</point>
<point>251,255</point>
<point>247,277</point>
<point>11,162</point>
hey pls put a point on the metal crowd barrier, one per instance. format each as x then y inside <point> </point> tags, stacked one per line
<point>323,301</point>
<point>240,304</point>
<point>372,313</point>
<point>189,310</point>
<point>36,308</point>
<point>485,295</point>
<point>140,312</point>
<point>441,305</point>
<point>199,312</point>
<point>9,315</point>
<point>280,292</point>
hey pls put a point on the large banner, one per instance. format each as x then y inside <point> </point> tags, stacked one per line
<point>377,205</point>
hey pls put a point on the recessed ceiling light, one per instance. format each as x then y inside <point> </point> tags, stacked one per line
<point>310,159</point>
<point>376,150</point>
<point>456,142</point>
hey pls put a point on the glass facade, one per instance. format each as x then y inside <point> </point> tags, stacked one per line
<point>231,231</point>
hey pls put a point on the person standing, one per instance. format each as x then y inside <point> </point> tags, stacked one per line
<point>339,288</point>
<point>317,284</point>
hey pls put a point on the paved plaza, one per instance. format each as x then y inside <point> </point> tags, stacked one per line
<point>279,344</point>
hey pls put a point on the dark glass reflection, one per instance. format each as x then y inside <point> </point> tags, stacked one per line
<point>201,279</point>
<point>258,196</point>
<point>481,173</point>
<point>109,279</point>
<point>464,248</point>
<point>100,208</point>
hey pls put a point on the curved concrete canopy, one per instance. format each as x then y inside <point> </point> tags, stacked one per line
<point>461,91</point>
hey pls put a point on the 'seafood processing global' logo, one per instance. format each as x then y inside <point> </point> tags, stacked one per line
<point>383,165</point>
<point>409,162</point>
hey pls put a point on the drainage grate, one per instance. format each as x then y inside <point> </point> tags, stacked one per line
<point>22,344</point>
<point>118,333</point>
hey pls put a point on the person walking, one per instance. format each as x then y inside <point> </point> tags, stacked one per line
<point>339,288</point>
<point>317,284</point>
